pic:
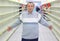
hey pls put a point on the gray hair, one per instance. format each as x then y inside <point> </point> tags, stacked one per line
<point>30,2</point>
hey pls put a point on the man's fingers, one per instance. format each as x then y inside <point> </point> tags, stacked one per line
<point>9,28</point>
<point>50,27</point>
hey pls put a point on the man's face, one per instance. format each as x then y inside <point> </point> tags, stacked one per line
<point>30,7</point>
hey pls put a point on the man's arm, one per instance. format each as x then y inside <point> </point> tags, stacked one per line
<point>45,23</point>
<point>17,22</point>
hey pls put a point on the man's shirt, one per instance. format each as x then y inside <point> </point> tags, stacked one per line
<point>30,29</point>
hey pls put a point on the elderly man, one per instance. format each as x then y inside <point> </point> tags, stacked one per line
<point>30,29</point>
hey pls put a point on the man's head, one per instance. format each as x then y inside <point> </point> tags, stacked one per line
<point>30,7</point>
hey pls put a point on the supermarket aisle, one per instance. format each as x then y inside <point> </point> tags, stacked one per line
<point>9,11</point>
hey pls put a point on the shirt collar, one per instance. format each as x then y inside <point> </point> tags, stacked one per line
<point>29,13</point>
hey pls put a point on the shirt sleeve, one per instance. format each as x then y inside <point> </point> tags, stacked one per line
<point>44,22</point>
<point>17,22</point>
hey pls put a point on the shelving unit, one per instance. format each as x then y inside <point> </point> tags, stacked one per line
<point>9,12</point>
<point>54,17</point>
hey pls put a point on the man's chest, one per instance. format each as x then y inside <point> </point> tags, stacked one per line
<point>30,15</point>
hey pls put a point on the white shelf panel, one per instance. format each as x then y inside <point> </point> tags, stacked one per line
<point>4,21</point>
<point>53,20</point>
<point>8,22</point>
<point>8,15</point>
<point>8,3</point>
<point>8,10</point>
